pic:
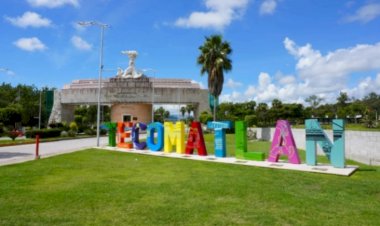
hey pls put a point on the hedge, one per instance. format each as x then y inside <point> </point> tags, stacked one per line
<point>44,133</point>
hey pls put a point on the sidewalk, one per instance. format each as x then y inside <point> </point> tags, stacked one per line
<point>22,153</point>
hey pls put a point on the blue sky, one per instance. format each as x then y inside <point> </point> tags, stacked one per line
<point>286,49</point>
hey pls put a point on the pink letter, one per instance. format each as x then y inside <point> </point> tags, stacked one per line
<point>283,143</point>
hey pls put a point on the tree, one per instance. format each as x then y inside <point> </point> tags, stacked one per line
<point>189,109</point>
<point>205,117</point>
<point>11,115</point>
<point>314,101</point>
<point>262,114</point>
<point>161,114</point>
<point>342,99</point>
<point>276,112</point>
<point>214,60</point>
<point>276,104</point>
<point>28,98</point>
<point>183,111</point>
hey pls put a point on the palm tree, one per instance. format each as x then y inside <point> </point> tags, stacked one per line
<point>189,108</point>
<point>214,60</point>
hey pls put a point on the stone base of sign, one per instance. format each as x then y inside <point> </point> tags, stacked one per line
<point>320,168</point>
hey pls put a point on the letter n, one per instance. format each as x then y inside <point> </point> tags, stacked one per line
<point>333,151</point>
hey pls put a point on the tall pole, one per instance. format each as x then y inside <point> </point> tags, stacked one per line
<point>102,27</point>
<point>153,99</point>
<point>39,113</point>
<point>99,85</point>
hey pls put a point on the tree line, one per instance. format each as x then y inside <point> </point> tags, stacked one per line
<point>20,106</point>
<point>364,111</point>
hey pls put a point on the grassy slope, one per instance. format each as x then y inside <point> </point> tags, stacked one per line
<point>103,188</point>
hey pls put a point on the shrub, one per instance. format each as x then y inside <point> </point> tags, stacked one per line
<point>205,117</point>
<point>73,126</point>
<point>78,119</point>
<point>58,125</point>
<point>1,129</point>
<point>72,133</point>
<point>64,134</point>
<point>65,126</point>
<point>44,133</point>
<point>251,120</point>
<point>13,134</point>
<point>90,132</point>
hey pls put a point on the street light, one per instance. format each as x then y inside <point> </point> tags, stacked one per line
<point>102,27</point>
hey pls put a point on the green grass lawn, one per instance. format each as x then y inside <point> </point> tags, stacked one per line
<point>97,187</point>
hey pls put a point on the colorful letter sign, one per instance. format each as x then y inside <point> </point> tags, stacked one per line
<point>111,133</point>
<point>174,135</point>
<point>195,140</point>
<point>160,136</point>
<point>135,136</point>
<point>315,134</point>
<point>121,130</point>
<point>283,143</point>
<point>241,144</point>
<point>220,136</point>
<point>171,135</point>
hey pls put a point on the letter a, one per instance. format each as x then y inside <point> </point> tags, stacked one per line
<point>283,143</point>
<point>195,140</point>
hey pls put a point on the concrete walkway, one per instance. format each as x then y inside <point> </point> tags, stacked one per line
<point>23,153</point>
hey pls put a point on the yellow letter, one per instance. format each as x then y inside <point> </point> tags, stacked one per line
<point>174,135</point>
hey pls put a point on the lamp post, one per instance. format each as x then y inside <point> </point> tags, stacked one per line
<point>102,27</point>
<point>39,111</point>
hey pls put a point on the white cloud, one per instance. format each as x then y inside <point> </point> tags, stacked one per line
<point>365,13</point>
<point>53,3</point>
<point>30,44</point>
<point>7,71</point>
<point>29,19</point>
<point>80,44</point>
<point>219,15</point>
<point>233,97</point>
<point>331,71</point>
<point>232,84</point>
<point>268,7</point>
<point>284,79</point>
<point>364,87</point>
<point>318,74</point>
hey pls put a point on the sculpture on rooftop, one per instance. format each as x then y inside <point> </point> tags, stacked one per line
<point>131,71</point>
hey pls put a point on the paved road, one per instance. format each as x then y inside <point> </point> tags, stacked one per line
<point>23,153</point>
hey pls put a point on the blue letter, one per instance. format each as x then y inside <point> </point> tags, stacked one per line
<point>160,136</point>
<point>220,136</point>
